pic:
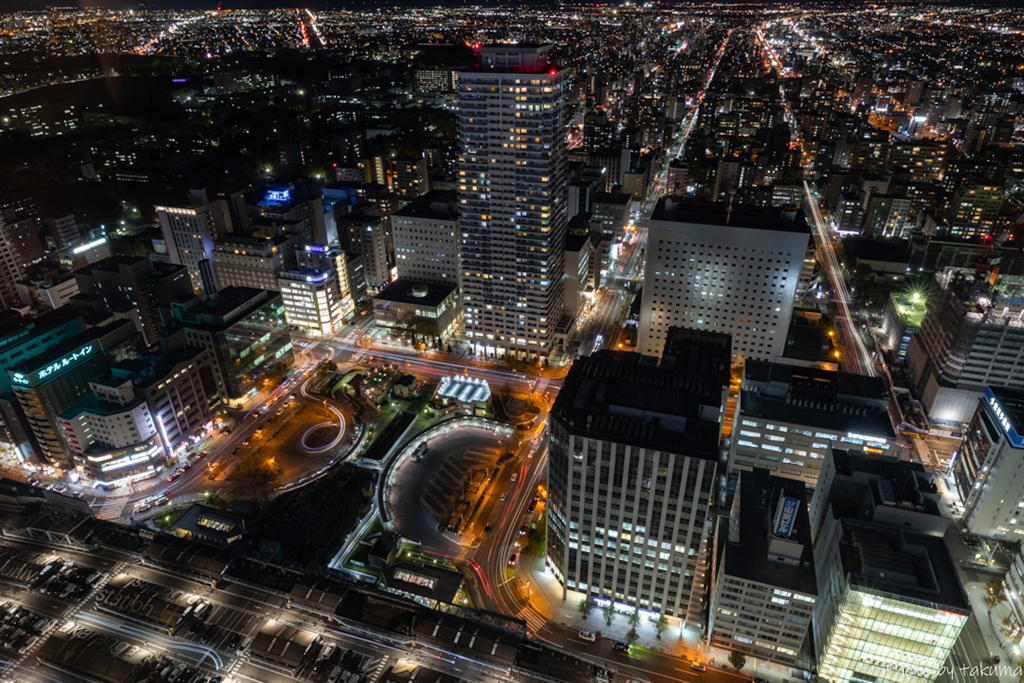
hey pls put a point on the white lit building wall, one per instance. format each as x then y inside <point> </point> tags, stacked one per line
<point>759,619</point>
<point>884,637</point>
<point>310,300</point>
<point>731,279</point>
<point>189,235</point>
<point>632,523</point>
<point>792,450</point>
<point>118,429</point>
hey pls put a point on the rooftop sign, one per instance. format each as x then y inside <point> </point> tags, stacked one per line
<point>785,516</point>
<point>1015,439</point>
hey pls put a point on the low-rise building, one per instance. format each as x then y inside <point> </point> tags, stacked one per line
<point>429,310</point>
<point>788,418</point>
<point>765,586</point>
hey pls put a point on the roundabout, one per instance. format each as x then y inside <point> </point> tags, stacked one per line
<point>445,479</point>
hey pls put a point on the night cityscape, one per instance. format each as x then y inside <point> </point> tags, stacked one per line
<point>583,343</point>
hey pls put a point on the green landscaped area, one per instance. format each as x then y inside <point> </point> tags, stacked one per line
<point>910,308</point>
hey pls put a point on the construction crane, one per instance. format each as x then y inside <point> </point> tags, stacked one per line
<point>986,260</point>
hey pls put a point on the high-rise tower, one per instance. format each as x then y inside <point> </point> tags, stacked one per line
<point>513,185</point>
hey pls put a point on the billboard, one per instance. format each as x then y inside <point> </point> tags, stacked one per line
<point>785,516</point>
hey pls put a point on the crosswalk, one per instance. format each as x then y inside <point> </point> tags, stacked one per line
<point>375,669</point>
<point>535,621</point>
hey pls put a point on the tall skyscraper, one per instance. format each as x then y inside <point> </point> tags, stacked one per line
<point>633,472</point>
<point>513,186</point>
<point>732,270</point>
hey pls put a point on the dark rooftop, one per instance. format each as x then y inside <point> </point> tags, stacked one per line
<point>436,204</point>
<point>613,395</point>
<point>743,216</point>
<point>821,398</point>
<point>406,292</point>
<point>900,562</point>
<point>748,558</point>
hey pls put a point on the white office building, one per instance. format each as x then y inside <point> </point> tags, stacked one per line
<point>513,189</point>
<point>788,418</point>
<point>310,300</point>
<point>189,234</point>
<point>711,270</point>
<point>632,476</point>
<point>765,586</point>
<point>426,235</point>
<point>986,470</point>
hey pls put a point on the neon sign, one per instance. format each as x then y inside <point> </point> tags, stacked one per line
<point>277,196</point>
<point>1004,420</point>
<point>65,362</point>
<point>19,378</point>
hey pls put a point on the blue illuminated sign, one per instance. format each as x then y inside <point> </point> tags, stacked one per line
<point>316,248</point>
<point>277,196</point>
<point>785,517</point>
<point>1015,439</point>
<point>19,378</point>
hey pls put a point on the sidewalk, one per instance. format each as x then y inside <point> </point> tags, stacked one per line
<point>989,621</point>
<point>546,598</point>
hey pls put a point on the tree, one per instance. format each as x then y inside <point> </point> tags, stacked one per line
<point>609,613</point>
<point>737,659</point>
<point>995,593</point>
<point>661,625</point>
<point>634,618</point>
<point>585,606</point>
<point>632,635</point>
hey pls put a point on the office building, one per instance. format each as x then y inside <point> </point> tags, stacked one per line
<point>734,271</point>
<point>788,418</point>
<point>145,409</point>
<point>426,236</point>
<point>973,208</point>
<point>189,233</point>
<point>334,260</point>
<point>135,288</point>
<point>611,214</point>
<point>890,605</point>
<point>247,332</point>
<point>48,383</point>
<point>513,182</point>
<point>365,236</point>
<point>418,308</point>
<point>765,586</point>
<point>247,261</point>
<point>292,208</point>
<point>311,301</point>
<point>986,469</point>
<point>970,339</point>
<point>48,294</point>
<point>84,251</point>
<point>633,473</point>
<point>889,597</point>
<point>409,178</point>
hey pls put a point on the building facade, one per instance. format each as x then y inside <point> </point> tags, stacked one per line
<point>726,271</point>
<point>765,586</point>
<point>970,338</point>
<point>632,474</point>
<point>513,186</point>
<point>788,418</point>
<point>426,235</point>
<point>986,468</point>
<point>311,301</point>
<point>247,332</point>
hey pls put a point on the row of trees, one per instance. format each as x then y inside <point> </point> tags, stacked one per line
<point>586,605</point>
